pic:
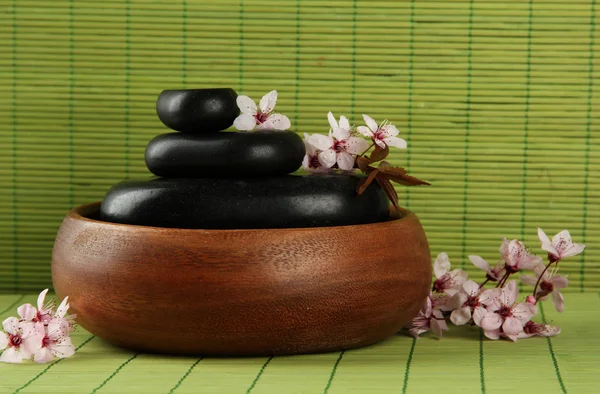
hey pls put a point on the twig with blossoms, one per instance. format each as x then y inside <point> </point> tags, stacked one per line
<point>40,333</point>
<point>344,149</point>
<point>497,310</point>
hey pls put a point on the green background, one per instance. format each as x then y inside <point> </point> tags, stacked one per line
<point>497,100</point>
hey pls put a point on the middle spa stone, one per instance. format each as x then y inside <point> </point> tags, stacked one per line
<point>257,153</point>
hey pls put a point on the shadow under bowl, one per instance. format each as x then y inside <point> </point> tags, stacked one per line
<point>241,292</point>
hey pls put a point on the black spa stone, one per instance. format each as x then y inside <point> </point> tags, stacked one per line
<point>197,110</point>
<point>257,153</point>
<point>245,203</point>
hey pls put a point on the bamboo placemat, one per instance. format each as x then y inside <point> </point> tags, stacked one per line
<point>462,362</point>
<point>497,100</point>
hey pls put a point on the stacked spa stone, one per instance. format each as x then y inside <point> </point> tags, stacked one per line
<point>210,179</point>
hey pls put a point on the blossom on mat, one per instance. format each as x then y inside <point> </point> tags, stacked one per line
<point>549,284</point>
<point>261,118</point>
<point>492,274</point>
<point>383,134</point>
<point>516,256</point>
<point>447,282</point>
<point>55,340</point>
<point>561,245</point>
<point>339,146</point>
<point>43,313</point>
<point>61,315</point>
<point>543,330</point>
<point>17,346</point>
<point>428,318</point>
<point>504,315</point>
<point>469,303</point>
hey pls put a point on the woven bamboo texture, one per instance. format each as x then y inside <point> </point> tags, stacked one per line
<point>462,362</point>
<point>497,100</point>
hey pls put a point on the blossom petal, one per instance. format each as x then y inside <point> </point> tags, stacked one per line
<point>268,101</point>
<point>11,325</point>
<point>488,297</point>
<point>510,293</point>
<point>321,142</point>
<point>345,161</point>
<point>332,122</point>
<point>43,356</point>
<point>529,280</point>
<point>327,158</point>
<point>395,142</point>
<point>62,309</point>
<point>364,130</point>
<point>459,276</point>
<point>491,321</point>
<point>492,334</point>
<point>371,123</point>
<point>558,300</point>
<point>27,312</point>
<point>512,337</point>
<point>310,148</point>
<point>549,331</point>
<point>478,314</point>
<point>275,122</point>
<point>524,312</point>
<point>546,244</point>
<point>246,105</point>
<point>64,349</point>
<point>244,122</point>
<point>306,163</point>
<point>390,131</point>
<point>573,250</point>
<point>559,282</point>
<point>461,316</point>
<point>470,287</point>
<point>512,326</point>
<point>458,300</point>
<point>344,123</point>
<point>356,146</point>
<point>3,341</point>
<point>441,265</point>
<point>341,134</point>
<point>11,355</point>
<point>480,263</point>
<point>41,299</point>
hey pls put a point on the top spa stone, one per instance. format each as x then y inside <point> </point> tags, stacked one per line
<point>197,110</point>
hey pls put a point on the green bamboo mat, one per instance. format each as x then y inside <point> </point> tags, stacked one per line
<point>460,363</point>
<point>497,100</point>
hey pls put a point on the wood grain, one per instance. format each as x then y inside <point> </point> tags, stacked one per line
<point>241,292</point>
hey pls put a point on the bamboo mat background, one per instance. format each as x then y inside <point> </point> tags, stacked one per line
<point>497,100</point>
<point>462,362</point>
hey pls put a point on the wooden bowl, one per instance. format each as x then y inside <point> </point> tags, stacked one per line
<point>241,292</point>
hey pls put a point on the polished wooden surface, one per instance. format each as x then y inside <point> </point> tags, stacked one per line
<point>241,292</point>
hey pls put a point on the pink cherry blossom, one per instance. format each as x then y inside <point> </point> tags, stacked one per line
<point>516,256</point>
<point>469,303</point>
<point>55,340</point>
<point>549,284</point>
<point>383,134</point>
<point>447,282</point>
<point>261,118</point>
<point>311,160</point>
<point>43,313</point>
<point>561,246</point>
<point>428,318</point>
<point>491,274</point>
<point>543,330</point>
<point>504,315</point>
<point>17,345</point>
<point>339,147</point>
<point>61,316</point>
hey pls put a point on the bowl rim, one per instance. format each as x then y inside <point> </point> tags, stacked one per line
<point>78,214</point>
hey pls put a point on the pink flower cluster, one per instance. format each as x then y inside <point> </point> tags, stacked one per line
<point>339,149</point>
<point>41,333</point>
<point>497,310</point>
